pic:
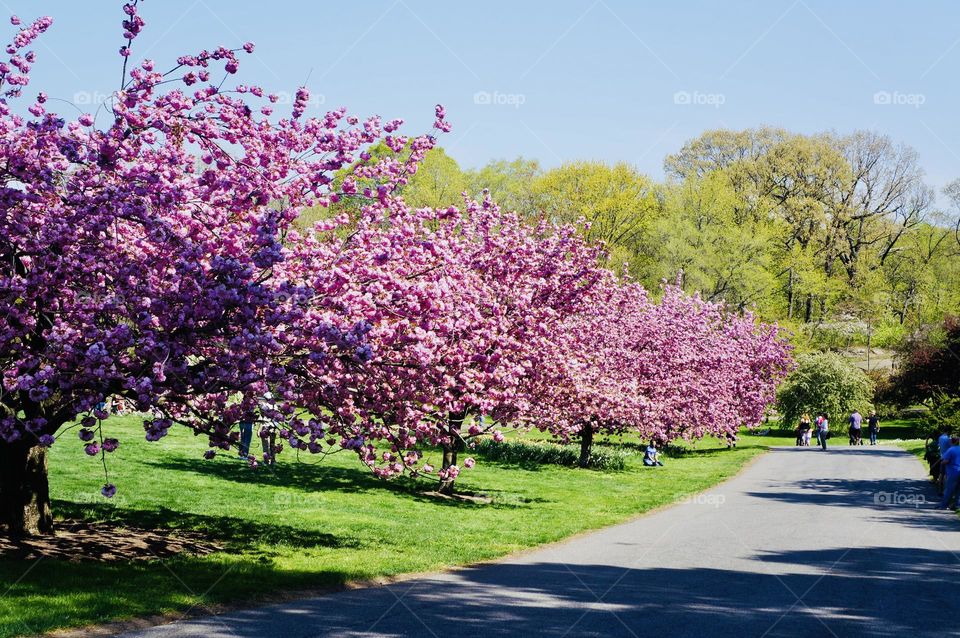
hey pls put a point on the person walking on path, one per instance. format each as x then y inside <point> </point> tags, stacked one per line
<point>803,432</point>
<point>943,444</point>
<point>873,426</point>
<point>856,428</point>
<point>950,461</point>
<point>823,430</point>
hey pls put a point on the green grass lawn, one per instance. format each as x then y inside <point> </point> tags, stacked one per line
<point>307,525</point>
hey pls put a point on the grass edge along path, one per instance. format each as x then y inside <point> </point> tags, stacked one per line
<point>301,530</point>
<point>126,625</point>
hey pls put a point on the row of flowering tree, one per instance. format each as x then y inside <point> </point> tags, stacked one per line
<point>148,251</point>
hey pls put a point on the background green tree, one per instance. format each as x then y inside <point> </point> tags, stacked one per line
<point>824,382</point>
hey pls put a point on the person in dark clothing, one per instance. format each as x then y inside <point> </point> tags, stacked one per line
<point>803,432</point>
<point>873,426</point>
<point>950,461</point>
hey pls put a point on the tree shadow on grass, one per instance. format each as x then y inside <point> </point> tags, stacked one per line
<point>679,453</point>
<point>233,532</point>
<point>510,464</point>
<point>72,594</point>
<point>76,540</point>
<point>510,498</point>
<point>525,465</point>
<point>302,477</point>
<point>517,461</point>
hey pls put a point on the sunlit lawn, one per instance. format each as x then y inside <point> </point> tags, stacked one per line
<point>303,524</point>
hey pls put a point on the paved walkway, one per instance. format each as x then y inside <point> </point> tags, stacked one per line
<point>802,543</point>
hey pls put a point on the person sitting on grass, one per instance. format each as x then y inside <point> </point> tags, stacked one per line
<point>651,458</point>
<point>950,461</point>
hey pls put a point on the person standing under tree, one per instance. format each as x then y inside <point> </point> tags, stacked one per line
<point>246,432</point>
<point>873,426</point>
<point>268,428</point>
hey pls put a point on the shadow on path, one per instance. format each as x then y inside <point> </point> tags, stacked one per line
<point>887,591</point>
<point>679,573</point>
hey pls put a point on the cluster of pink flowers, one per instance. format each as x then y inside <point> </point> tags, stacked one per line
<point>675,368</point>
<point>157,260</point>
<point>466,320</point>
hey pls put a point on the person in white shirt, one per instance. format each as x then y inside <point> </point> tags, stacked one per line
<point>823,430</point>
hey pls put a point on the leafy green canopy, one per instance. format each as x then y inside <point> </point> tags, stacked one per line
<point>825,382</point>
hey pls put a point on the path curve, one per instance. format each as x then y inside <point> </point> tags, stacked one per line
<point>802,543</point>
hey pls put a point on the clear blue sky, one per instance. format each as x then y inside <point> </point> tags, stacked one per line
<point>565,80</point>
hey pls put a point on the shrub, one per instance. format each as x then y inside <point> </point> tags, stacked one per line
<point>944,416</point>
<point>929,365</point>
<point>890,333</point>
<point>884,393</point>
<point>824,382</point>
<point>525,452</point>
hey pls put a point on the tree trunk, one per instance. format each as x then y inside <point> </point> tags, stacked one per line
<point>790,295</point>
<point>450,450</point>
<point>24,491</point>
<point>586,445</point>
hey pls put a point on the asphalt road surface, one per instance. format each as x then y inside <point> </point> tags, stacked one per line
<point>803,543</point>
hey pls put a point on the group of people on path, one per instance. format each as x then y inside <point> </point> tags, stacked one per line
<point>856,427</point>
<point>820,428</point>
